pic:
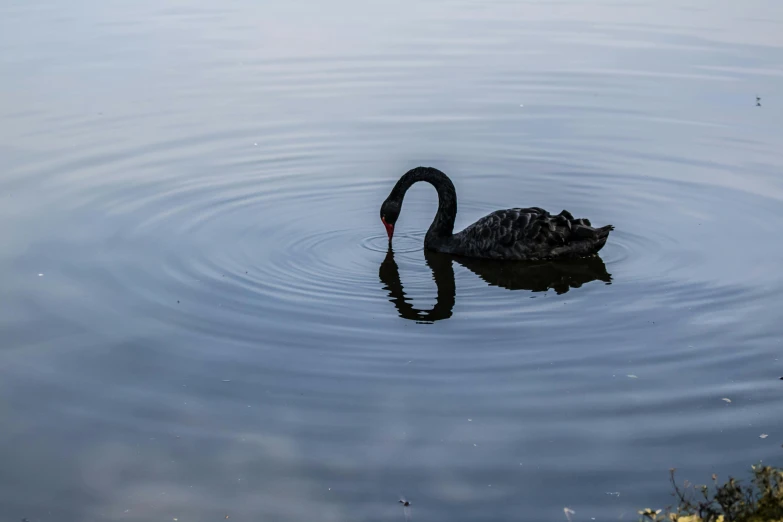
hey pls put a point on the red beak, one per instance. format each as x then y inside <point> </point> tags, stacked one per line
<point>389,229</point>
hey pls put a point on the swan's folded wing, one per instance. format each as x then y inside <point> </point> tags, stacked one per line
<point>506,227</point>
<point>524,233</point>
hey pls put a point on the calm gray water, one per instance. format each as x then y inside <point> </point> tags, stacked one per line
<point>199,318</point>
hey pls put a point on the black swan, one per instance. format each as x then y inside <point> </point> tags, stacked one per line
<point>521,234</point>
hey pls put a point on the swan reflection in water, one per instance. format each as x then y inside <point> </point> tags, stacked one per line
<point>560,276</point>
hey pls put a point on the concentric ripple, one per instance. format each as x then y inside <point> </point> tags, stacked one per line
<point>200,317</point>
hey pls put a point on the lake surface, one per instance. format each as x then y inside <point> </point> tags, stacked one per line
<point>200,319</point>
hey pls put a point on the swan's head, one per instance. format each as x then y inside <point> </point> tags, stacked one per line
<point>390,211</point>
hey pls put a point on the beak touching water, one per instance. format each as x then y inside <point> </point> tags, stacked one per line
<point>389,229</point>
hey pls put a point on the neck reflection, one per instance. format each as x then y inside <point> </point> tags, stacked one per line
<point>442,273</point>
<point>560,276</point>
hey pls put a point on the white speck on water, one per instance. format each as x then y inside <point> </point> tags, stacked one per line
<point>470,420</point>
<point>613,493</point>
<point>632,376</point>
<point>726,400</point>
<point>521,105</point>
<point>226,380</point>
<point>475,445</point>
<point>763,436</point>
<point>568,512</point>
<point>255,144</point>
<point>40,275</point>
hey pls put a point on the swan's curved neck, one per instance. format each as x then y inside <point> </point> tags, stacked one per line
<point>443,225</point>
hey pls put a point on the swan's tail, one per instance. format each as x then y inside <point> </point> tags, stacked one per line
<point>601,235</point>
<point>603,232</point>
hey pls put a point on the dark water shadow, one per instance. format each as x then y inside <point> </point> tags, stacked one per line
<point>559,276</point>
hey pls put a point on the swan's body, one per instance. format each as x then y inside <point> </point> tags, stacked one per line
<point>529,234</point>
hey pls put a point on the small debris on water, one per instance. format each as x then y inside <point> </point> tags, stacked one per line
<point>613,493</point>
<point>758,101</point>
<point>226,380</point>
<point>406,508</point>
<point>763,436</point>
<point>40,275</point>
<point>726,400</point>
<point>568,512</point>
<point>632,376</point>
<point>470,420</point>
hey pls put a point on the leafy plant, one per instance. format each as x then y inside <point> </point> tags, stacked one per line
<point>759,501</point>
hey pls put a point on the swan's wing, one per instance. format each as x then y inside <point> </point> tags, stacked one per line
<point>503,228</point>
<point>524,231</point>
